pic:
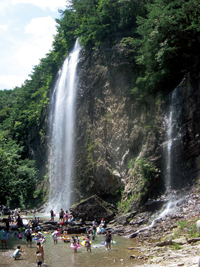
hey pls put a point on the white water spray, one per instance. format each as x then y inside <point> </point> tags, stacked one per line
<point>168,148</point>
<point>62,118</point>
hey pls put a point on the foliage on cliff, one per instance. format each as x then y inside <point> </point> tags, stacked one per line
<point>168,46</point>
<point>99,21</point>
<point>165,34</point>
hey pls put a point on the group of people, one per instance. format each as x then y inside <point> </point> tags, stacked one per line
<point>90,232</point>
<point>17,253</point>
<point>64,216</point>
<point>39,251</point>
<point>87,243</point>
<point>39,254</point>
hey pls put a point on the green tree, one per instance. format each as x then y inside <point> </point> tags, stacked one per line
<point>169,44</point>
<point>18,178</point>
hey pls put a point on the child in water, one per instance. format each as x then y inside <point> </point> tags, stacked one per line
<point>74,244</point>
<point>39,258</point>
<point>87,244</point>
<point>41,250</point>
<point>19,235</point>
<point>54,236</point>
<point>17,254</point>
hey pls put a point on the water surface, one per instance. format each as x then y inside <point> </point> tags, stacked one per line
<point>60,254</point>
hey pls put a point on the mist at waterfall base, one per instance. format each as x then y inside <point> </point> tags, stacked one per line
<point>62,121</point>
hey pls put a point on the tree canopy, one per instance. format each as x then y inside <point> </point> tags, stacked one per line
<point>169,42</point>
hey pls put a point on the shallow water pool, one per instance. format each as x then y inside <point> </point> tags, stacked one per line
<point>60,254</point>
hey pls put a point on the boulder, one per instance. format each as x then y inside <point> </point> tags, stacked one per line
<point>94,208</point>
<point>125,218</point>
<point>51,222</point>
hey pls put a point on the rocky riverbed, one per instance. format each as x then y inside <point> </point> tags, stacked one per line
<point>172,240</point>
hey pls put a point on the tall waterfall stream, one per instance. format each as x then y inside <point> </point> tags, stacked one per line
<point>62,117</point>
<point>173,136</point>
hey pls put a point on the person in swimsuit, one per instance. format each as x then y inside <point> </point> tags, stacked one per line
<point>39,258</point>
<point>87,243</point>
<point>41,250</point>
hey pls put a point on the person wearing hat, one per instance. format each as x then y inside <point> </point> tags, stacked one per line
<point>103,223</point>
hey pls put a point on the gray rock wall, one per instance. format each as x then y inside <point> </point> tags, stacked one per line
<point>112,128</point>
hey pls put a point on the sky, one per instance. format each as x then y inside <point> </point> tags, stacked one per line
<point>27,28</point>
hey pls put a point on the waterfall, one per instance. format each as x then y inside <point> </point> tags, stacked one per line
<point>168,149</point>
<point>173,145</point>
<point>172,150</point>
<point>62,121</point>
<point>171,153</point>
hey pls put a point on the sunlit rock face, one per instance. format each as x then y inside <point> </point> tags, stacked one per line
<point>112,127</point>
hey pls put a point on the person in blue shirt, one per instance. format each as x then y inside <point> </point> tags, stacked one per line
<point>3,237</point>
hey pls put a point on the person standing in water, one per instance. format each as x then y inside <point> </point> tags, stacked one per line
<point>3,237</point>
<point>108,240</point>
<point>38,258</point>
<point>41,250</point>
<point>52,215</point>
<point>61,214</point>
<point>28,234</point>
<point>54,236</point>
<point>87,243</point>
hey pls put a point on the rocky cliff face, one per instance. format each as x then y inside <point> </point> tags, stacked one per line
<point>113,128</point>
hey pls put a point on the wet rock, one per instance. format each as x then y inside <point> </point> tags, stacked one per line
<point>76,230</point>
<point>133,235</point>
<point>193,240</point>
<point>132,257</point>
<point>94,208</point>
<point>49,227</point>
<point>123,219</point>
<point>164,243</point>
<point>154,205</point>
<point>51,223</point>
<point>140,257</point>
<point>117,231</point>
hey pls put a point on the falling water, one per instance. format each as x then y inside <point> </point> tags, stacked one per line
<point>173,145</point>
<point>62,117</point>
<point>171,153</point>
<point>168,148</point>
<point>172,156</point>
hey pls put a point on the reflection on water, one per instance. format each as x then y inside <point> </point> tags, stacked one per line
<point>60,254</point>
